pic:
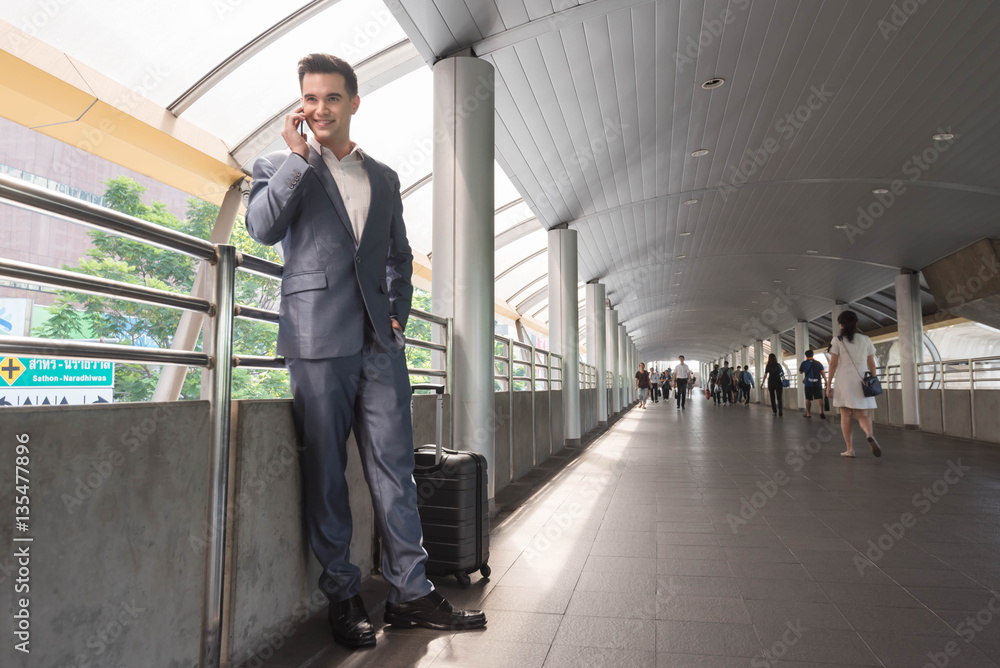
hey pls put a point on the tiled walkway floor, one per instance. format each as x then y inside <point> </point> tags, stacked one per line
<point>647,550</point>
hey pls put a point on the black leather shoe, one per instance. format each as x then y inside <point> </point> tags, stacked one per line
<point>433,612</point>
<point>350,623</point>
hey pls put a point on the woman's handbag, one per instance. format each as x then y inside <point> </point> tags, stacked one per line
<point>871,386</point>
<point>784,381</point>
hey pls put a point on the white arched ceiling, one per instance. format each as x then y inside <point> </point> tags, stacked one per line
<point>600,106</point>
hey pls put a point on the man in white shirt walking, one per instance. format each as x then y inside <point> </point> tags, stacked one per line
<point>682,374</point>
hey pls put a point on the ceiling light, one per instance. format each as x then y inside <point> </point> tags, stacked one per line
<point>689,202</point>
<point>677,272</point>
<point>777,281</point>
<point>812,252</point>
<point>791,269</point>
<point>881,191</point>
<point>681,257</point>
<point>714,82</point>
<point>676,284</point>
<point>944,136</point>
<point>840,227</point>
<point>685,234</point>
<point>699,153</point>
<point>763,292</point>
<point>753,301</point>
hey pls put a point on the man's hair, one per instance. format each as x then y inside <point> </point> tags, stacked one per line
<point>809,353</point>
<point>324,63</point>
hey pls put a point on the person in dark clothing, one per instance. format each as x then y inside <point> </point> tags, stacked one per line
<point>773,374</point>
<point>813,375</point>
<point>726,381</point>
<point>713,384</point>
<point>642,384</point>
<point>747,385</point>
<point>654,380</point>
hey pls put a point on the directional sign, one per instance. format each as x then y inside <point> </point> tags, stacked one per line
<point>55,373</point>
<point>40,381</point>
<point>55,396</point>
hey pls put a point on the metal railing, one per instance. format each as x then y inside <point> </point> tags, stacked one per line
<point>217,358</point>
<point>981,373</point>
<point>541,371</point>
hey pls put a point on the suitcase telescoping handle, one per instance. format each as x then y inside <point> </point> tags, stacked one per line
<point>439,428</point>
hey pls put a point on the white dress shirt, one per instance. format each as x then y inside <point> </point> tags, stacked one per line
<point>352,181</point>
<point>682,372</point>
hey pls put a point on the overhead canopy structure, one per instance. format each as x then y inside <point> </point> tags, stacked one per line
<point>701,205</point>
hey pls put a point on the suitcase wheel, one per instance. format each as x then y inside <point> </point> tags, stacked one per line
<point>463,579</point>
<point>485,571</point>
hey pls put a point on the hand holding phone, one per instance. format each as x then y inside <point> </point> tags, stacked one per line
<point>294,133</point>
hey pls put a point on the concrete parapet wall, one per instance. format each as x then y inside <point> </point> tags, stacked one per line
<point>987,409</point>
<point>425,420</point>
<point>118,514</point>
<point>523,424</point>
<point>556,427</point>
<point>501,441</point>
<point>543,429</point>
<point>273,576</point>
<point>930,410</point>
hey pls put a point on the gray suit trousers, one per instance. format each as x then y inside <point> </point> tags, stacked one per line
<point>371,392</point>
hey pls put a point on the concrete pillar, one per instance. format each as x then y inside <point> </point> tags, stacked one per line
<point>614,362</point>
<point>758,368</point>
<point>776,345</point>
<point>801,346</point>
<point>634,359</point>
<point>838,308</point>
<point>463,213</point>
<point>564,325</point>
<point>597,354</point>
<point>623,364</point>
<point>909,321</point>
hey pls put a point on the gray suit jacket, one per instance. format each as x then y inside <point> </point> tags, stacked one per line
<point>332,281</point>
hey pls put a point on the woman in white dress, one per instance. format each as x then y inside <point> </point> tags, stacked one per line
<point>850,354</point>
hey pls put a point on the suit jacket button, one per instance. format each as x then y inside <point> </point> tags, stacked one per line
<point>357,259</point>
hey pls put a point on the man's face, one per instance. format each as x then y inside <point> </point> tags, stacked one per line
<point>327,106</point>
<point>681,358</point>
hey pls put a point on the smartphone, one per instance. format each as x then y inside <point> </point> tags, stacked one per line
<point>301,126</point>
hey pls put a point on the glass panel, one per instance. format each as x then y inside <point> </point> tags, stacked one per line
<point>395,124</point>
<point>524,274</point>
<point>265,84</point>
<point>417,216</point>
<point>169,45</point>
<point>503,190</point>
<point>528,290</point>
<point>516,251</point>
<point>508,218</point>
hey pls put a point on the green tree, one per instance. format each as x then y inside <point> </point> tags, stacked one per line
<point>139,324</point>
<point>419,358</point>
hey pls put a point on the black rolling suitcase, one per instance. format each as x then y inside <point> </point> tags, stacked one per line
<point>453,506</point>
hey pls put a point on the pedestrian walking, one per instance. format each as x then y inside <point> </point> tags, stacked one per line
<point>774,375</point>
<point>813,377</point>
<point>642,384</point>
<point>846,378</point>
<point>726,381</point>
<point>682,374</point>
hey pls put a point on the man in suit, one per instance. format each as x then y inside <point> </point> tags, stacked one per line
<point>345,299</point>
